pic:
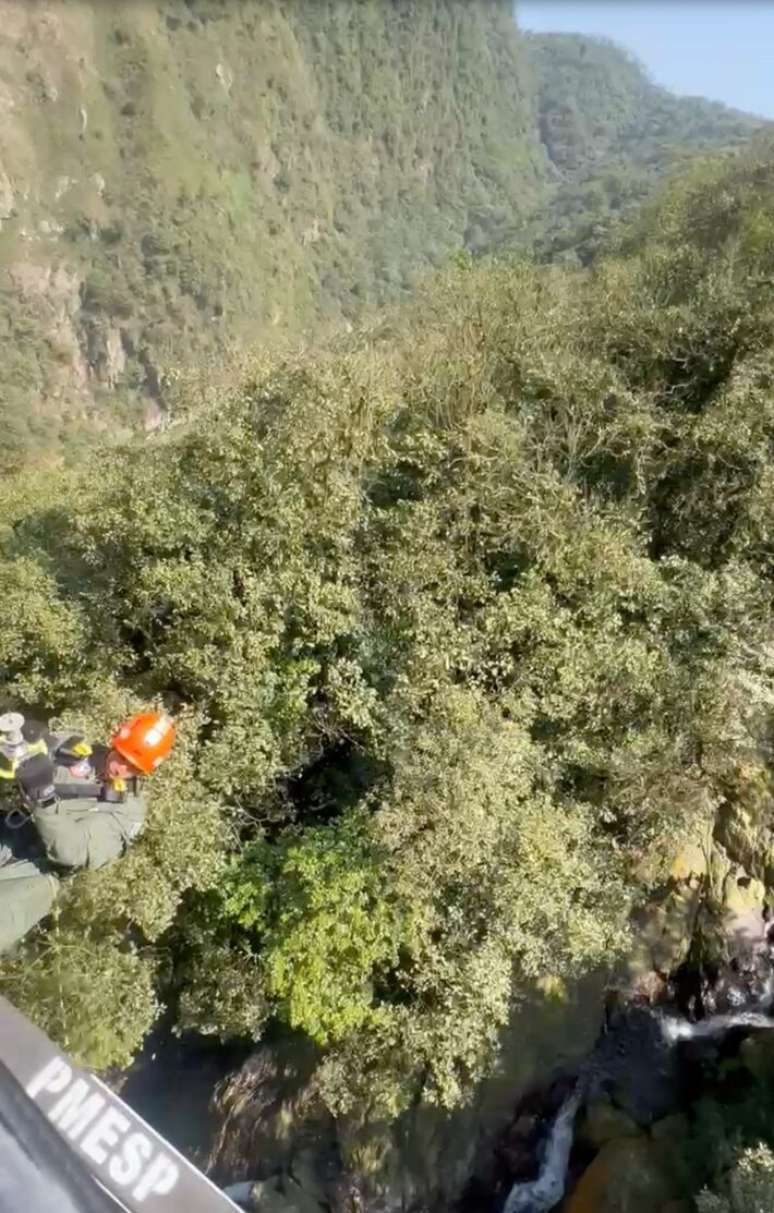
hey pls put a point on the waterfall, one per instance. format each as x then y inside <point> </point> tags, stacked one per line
<point>716,1025</point>
<point>541,1194</point>
<point>544,1193</point>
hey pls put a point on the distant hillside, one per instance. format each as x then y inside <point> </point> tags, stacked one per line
<point>179,176</point>
<point>611,136</point>
<point>178,173</point>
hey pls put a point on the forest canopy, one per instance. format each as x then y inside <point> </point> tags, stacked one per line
<point>182,178</point>
<point>466,620</point>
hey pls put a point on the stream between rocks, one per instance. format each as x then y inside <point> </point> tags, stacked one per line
<point>654,1038</point>
<point>637,1085</point>
<point>603,1116</point>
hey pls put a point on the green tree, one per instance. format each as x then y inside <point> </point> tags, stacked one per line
<point>750,1186</point>
<point>325,926</point>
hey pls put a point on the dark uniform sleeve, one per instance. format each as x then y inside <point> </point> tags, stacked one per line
<point>88,833</point>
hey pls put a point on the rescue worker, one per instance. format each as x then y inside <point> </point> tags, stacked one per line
<point>84,808</point>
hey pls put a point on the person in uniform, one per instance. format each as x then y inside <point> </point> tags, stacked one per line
<point>81,808</point>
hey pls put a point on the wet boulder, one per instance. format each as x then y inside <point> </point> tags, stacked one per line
<point>635,1068</point>
<point>757,1055</point>
<point>279,1194</point>
<point>664,927</point>
<point>627,1176</point>
<point>742,827</point>
<point>602,1123</point>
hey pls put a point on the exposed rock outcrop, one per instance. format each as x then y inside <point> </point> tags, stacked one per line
<point>627,1176</point>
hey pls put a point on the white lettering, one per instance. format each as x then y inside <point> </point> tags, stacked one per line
<point>126,1167</point>
<point>159,1179</point>
<point>81,1112</point>
<point>104,1133</point>
<point>74,1112</point>
<point>53,1077</point>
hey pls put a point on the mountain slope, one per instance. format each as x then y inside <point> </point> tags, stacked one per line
<point>611,136</point>
<point>467,623</point>
<point>182,176</point>
<point>181,172</point>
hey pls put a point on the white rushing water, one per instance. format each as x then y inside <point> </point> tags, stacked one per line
<point>716,1025</point>
<point>541,1194</point>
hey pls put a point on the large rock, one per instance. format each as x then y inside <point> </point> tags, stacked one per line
<point>691,863</point>
<point>267,1124</point>
<point>635,1066</point>
<point>743,823</point>
<point>280,1194</point>
<point>627,1176</point>
<point>305,1172</point>
<point>757,1055</point>
<point>674,1128</point>
<point>603,1123</point>
<point>664,928</point>
<point>743,900</point>
<point>734,930</point>
<point>741,891</point>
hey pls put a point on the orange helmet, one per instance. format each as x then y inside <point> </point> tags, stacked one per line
<point>145,740</point>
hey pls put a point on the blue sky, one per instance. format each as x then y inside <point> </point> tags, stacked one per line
<point>722,49</point>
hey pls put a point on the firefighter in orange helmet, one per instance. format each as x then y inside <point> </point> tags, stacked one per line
<point>84,807</point>
<point>87,805</point>
<point>140,745</point>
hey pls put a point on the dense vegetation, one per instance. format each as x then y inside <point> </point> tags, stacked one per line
<point>178,177</point>
<point>611,136</point>
<point>749,1185</point>
<point>732,1123</point>
<point>465,614</point>
<point>184,175</point>
<point>464,630</point>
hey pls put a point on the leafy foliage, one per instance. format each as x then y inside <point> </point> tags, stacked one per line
<point>612,136</point>
<point>94,994</point>
<point>201,177</point>
<point>466,617</point>
<point>728,1149</point>
<point>750,1186</point>
<point>320,909</point>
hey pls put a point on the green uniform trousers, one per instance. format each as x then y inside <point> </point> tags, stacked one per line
<point>26,895</point>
